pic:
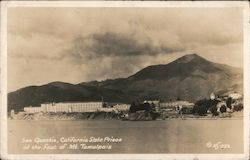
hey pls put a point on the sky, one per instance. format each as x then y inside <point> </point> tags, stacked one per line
<point>75,45</point>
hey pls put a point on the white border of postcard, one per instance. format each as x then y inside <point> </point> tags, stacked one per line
<point>146,4</point>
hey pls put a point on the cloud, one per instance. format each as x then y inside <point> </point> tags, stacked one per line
<point>45,44</point>
<point>37,46</point>
<point>114,44</point>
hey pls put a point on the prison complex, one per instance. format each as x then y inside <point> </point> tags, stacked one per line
<point>76,107</point>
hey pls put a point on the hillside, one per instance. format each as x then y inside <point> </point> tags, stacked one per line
<point>190,77</point>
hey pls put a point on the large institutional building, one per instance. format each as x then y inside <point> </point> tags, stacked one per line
<point>66,107</point>
<point>69,107</point>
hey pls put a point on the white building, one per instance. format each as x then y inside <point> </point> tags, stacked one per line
<point>66,107</point>
<point>106,109</point>
<point>176,104</point>
<point>235,96</point>
<point>121,107</point>
<point>33,109</point>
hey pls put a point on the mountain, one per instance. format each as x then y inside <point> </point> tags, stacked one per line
<point>190,77</point>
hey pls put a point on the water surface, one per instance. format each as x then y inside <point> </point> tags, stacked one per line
<point>169,136</point>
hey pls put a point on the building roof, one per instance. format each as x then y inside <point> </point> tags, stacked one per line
<point>180,103</point>
<point>73,102</point>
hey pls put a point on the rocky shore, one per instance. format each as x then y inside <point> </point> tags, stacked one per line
<point>114,116</point>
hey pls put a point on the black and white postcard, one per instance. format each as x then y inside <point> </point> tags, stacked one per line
<point>124,80</point>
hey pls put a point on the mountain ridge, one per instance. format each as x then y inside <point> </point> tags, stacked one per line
<point>190,77</point>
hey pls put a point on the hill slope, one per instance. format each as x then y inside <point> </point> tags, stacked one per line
<point>190,77</point>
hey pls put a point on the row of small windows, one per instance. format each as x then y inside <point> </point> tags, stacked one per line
<point>74,104</point>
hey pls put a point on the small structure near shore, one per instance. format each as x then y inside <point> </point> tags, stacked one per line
<point>184,107</point>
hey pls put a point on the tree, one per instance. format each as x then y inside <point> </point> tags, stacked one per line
<point>211,103</point>
<point>214,111</point>
<point>223,109</point>
<point>153,106</point>
<point>200,110</point>
<point>229,102</point>
<point>139,106</point>
<point>238,107</point>
<point>132,107</point>
<point>104,105</point>
<point>200,107</point>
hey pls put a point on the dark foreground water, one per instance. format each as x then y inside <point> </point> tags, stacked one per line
<point>169,136</point>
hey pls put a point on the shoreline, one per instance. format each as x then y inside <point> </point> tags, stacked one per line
<point>172,119</point>
<point>102,116</point>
